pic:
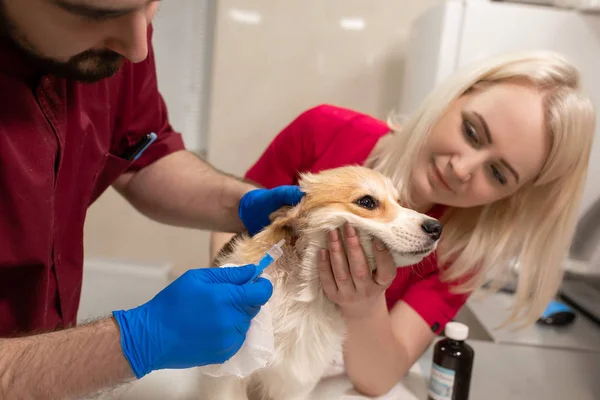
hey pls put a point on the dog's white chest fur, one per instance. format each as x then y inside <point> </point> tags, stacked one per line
<point>309,331</point>
<point>307,335</point>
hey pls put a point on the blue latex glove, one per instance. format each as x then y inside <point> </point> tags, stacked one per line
<point>201,318</point>
<point>256,205</point>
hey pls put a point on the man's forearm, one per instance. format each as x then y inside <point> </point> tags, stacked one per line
<point>373,358</point>
<point>181,189</point>
<point>63,364</point>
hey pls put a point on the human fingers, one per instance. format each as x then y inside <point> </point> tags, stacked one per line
<point>386,267</point>
<point>326,275</point>
<point>339,264</point>
<point>357,261</point>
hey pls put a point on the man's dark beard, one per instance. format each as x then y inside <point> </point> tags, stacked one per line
<point>88,67</point>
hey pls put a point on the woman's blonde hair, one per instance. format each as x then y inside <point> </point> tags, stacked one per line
<point>534,226</point>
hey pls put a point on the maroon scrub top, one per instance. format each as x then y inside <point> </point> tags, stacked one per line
<point>61,146</point>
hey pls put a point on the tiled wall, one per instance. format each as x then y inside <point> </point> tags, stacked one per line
<point>271,61</point>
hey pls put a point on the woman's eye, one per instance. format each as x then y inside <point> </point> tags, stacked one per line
<point>498,175</point>
<point>470,132</point>
<point>367,202</point>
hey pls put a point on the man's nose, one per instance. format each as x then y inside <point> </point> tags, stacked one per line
<point>130,36</point>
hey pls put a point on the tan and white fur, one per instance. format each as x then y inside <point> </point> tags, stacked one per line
<point>308,327</point>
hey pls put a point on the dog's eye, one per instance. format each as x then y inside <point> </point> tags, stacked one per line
<point>367,202</point>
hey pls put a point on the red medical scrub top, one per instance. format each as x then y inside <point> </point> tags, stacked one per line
<point>329,137</point>
<point>60,147</point>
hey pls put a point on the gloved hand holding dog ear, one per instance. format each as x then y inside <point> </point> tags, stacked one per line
<point>256,205</point>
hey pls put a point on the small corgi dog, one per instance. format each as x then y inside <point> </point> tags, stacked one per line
<point>308,327</point>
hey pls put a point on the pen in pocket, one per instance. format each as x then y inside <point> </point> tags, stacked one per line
<point>134,152</point>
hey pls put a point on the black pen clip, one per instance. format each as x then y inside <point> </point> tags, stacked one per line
<point>134,152</point>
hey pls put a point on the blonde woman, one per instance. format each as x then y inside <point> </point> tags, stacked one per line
<point>498,153</point>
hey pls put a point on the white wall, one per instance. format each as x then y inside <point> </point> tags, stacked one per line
<point>183,46</point>
<point>275,59</point>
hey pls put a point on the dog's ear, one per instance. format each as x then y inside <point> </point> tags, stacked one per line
<point>280,213</point>
<point>285,223</point>
<point>306,180</point>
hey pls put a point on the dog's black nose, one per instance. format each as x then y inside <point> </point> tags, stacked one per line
<point>433,228</point>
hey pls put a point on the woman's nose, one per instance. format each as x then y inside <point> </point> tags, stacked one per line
<point>465,166</point>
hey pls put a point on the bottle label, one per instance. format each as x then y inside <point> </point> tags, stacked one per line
<point>441,383</point>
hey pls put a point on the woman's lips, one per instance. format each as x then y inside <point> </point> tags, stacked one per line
<point>439,177</point>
